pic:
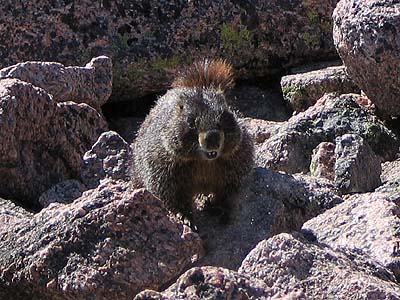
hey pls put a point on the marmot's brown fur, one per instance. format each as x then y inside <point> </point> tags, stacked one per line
<point>192,142</point>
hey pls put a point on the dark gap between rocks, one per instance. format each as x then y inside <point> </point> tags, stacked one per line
<point>313,66</point>
<point>260,98</point>
<point>135,108</point>
<point>394,125</point>
<point>125,117</point>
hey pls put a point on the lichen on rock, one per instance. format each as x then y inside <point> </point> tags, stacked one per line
<point>290,148</point>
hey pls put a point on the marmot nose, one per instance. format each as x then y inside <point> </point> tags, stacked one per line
<point>213,139</point>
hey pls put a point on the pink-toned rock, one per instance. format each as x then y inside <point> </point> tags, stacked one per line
<point>286,267</point>
<point>108,158</point>
<point>149,40</point>
<point>110,243</point>
<point>10,214</point>
<point>366,102</point>
<point>367,38</point>
<point>290,263</point>
<point>260,130</point>
<point>213,283</point>
<point>366,222</point>
<point>323,161</point>
<point>41,141</point>
<point>91,84</point>
<point>390,171</point>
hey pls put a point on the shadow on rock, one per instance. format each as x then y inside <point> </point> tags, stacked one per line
<point>270,203</point>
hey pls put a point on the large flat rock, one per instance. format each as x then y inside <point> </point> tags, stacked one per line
<point>148,40</point>
<point>364,222</point>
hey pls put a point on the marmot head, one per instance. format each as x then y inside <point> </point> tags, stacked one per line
<point>203,127</point>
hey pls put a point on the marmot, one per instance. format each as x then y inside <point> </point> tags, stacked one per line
<point>192,143</point>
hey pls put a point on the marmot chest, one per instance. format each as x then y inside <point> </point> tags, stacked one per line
<point>207,176</point>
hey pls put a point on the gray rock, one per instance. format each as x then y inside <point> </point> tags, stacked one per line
<point>302,90</point>
<point>149,40</point>
<point>290,263</point>
<point>41,141</point>
<point>367,38</point>
<point>63,192</point>
<point>390,171</point>
<point>10,214</point>
<point>108,158</point>
<point>212,283</point>
<point>390,178</point>
<point>357,168</point>
<point>111,243</point>
<point>290,148</point>
<point>91,84</point>
<point>323,161</point>
<point>350,164</point>
<point>366,222</point>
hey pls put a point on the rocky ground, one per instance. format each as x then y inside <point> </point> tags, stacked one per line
<point>319,216</point>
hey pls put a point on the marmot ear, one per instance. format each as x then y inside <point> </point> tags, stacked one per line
<point>217,73</point>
